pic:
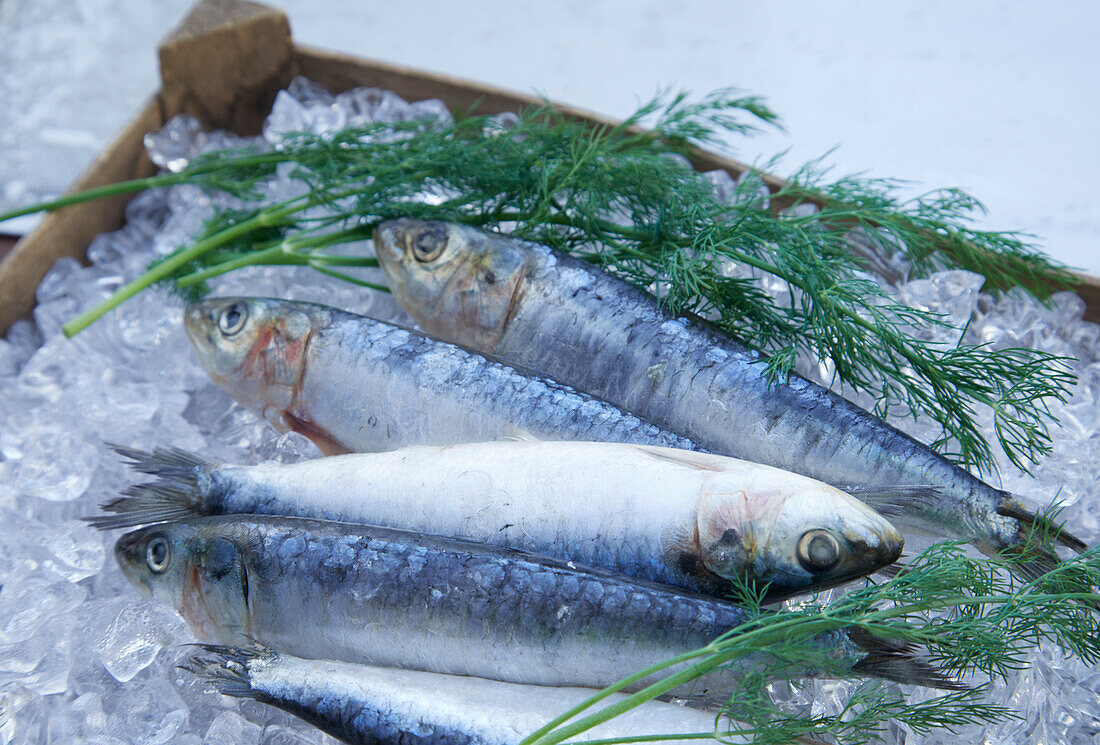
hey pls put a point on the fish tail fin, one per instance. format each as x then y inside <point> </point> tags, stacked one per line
<point>1033,555</point>
<point>174,495</point>
<point>227,668</point>
<point>1041,525</point>
<point>900,662</point>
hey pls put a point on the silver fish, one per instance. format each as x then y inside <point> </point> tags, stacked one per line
<point>354,384</point>
<point>546,311</point>
<point>379,596</point>
<point>387,706</point>
<point>693,520</point>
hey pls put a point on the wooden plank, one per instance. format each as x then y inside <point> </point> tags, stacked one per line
<point>7,242</point>
<point>1089,291</point>
<point>68,232</point>
<point>225,63</point>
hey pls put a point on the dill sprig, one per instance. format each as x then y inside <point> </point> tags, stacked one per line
<point>624,198</point>
<point>969,615</point>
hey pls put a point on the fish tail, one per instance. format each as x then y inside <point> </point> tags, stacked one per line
<point>1033,555</point>
<point>900,662</point>
<point>1042,526</point>
<point>227,668</point>
<point>174,495</point>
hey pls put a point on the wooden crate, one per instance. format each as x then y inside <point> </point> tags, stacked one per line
<point>224,65</point>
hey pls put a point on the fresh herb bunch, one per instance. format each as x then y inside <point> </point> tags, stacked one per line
<point>614,196</point>
<point>968,615</point>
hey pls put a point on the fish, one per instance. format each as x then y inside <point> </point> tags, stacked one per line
<point>392,598</point>
<point>696,521</point>
<point>545,311</point>
<point>353,384</point>
<point>388,706</point>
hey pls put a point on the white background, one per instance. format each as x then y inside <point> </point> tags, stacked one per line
<point>999,98</point>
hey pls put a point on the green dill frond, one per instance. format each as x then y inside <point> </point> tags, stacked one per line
<point>967,616</point>
<point>782,271</point>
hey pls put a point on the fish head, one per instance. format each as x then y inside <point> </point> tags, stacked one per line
<point>459,283</point>
<point>793,534</point>
<point>254,348</point>
<point>200,574</point>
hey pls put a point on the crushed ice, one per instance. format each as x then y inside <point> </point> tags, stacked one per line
<point>84,658</point>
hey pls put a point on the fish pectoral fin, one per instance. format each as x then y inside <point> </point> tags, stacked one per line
<point>686,458</point>
<point>896,500</point>
<point>325,442</point>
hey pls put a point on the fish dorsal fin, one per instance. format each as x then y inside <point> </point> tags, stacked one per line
<point>895,500</point>
<point>687,458</point>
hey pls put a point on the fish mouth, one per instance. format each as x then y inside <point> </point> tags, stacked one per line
<point>389,243</point>
<point>128,556</point>
<point>861,559</point>
<point>198,322</point>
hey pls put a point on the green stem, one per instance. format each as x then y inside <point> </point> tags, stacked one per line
<point>349,278</point>
<point>100,192</point>
<point>613,689</point>
<point>663,738</point>
<point>264,218</point>
<point>267,256</point>
<point>330,260</point>
<point>128,187</point>
<point>637,699</point>
<point>285,251</point>
<point>719,655</point>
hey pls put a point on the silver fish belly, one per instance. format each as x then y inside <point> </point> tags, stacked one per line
<point>387,706</point>
<point>568,319</point>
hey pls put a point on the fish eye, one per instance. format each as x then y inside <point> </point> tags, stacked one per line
<point>818,550</point>
<point>429,244</point>
<point>157,554</point>
<point>232,318</point>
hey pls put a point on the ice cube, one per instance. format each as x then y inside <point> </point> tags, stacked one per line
<point>149,712</point>
<point>231,728</point>
<point>78,548</point>
<point>431,109</point>
<point>309,93</point>
<point>173,145</point>
<point>133,639</point>
<point>57,280</point>
<point>288,115</point>
<point>722,182</point>
<point>369,105</point>
<point>803,209</point>
<point>57,466</point>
